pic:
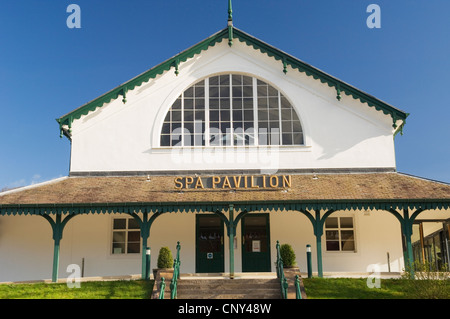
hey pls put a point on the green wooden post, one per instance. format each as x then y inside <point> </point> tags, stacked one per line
<point>231,234</point>
<point>318,224</point>
<point>57,229</point>
<point>57,236</point>
<point>318,231</point>
<point>55,268</point>
<point>145,224</point>
<point>231,225</point>
<point>407,225</point>
<point>319,255</point>
<point>145,234</point>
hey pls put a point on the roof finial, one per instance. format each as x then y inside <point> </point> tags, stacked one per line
<point>230,13</point>
<point>230,24</point>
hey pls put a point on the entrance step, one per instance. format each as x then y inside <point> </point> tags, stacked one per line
<point>220,286</point>
<point>206,288</point>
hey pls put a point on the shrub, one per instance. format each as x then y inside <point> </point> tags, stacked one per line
<point>429,282</point>
<point>165,259</point>
<point>287,256</point>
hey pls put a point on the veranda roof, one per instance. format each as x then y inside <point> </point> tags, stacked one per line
<point>157,193</point>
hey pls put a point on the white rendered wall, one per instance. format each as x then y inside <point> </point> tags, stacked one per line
<point>338,134</point>
<point>26,245</point>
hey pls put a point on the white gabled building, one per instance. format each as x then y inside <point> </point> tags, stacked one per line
<point>228,147</point>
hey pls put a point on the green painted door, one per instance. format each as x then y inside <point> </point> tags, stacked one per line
<point>256,243</point>
<point>209,244</point>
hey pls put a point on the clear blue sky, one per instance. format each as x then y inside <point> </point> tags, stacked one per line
<point>47,69</point>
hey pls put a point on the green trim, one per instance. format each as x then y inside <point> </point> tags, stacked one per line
<point>201,262</point>
<point>230,11</point>
<point>230,24</point>
<point>239,206</point>
<point>142,78</point>
<point>317,74</point>
<point>284,66</point>
<point>338,92</point>
<point>230,33</point>
<point>262,262</point>
<point>145,224</point>
<point>406,223</point>
<point>57,229</point>
<point>177,66</point>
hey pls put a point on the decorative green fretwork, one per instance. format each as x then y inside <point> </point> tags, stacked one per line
<point>177,67</point>
<point>231,33</point>
<point>57,225</point>
<point>124,95</point>
<point>311,209</point>
<point>338,92</point>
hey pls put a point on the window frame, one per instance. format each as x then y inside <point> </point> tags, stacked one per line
<point>339,229</point>
<point>295,119</point>
<point>126,243</point>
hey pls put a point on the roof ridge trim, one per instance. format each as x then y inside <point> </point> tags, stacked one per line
<point>24,188</point>
<point>287,59</point>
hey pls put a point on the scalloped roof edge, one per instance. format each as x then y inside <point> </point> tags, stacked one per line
<point>285,58</point>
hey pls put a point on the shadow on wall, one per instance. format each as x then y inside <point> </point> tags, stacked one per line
<point>333,143</point>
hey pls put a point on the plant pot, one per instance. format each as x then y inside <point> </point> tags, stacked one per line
<point>167,273</point>
<point>291,271</point>
<point>159,273</point>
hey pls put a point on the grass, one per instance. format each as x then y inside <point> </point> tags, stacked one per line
<point>356,288</point>
<point>316,288</point>
<point>134,289</point>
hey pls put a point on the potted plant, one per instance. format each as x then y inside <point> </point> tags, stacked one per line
<point>165,259</point>
<point>287,256</point>
<point>164,264</point>
<point>164,270</point>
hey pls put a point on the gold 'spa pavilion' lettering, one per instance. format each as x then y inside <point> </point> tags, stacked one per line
<point>233,182</point>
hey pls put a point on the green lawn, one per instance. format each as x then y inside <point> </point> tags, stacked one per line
<point>356,288</point>
<point>316,288</point>
<point>135,289</point>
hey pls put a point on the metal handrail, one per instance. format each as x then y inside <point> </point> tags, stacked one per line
<point>176,274</point>
<point>280,273</point>
<point>298,293</point>
<point>162,288</point>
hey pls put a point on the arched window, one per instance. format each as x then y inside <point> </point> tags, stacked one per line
<point>227,110</point>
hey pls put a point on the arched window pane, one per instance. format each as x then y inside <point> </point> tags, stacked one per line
<point>229,115</point>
